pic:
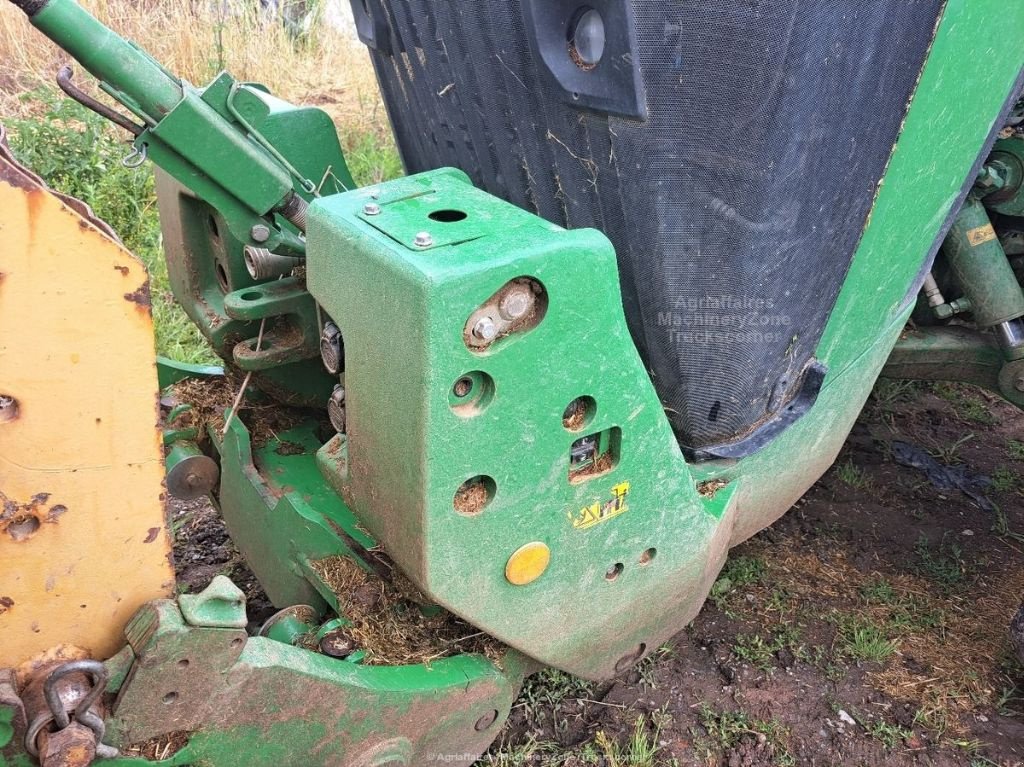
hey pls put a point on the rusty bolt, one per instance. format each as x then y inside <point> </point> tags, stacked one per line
<point>485,329</point>
<point>423,240</point>
<point>337,644</point>
<point>8,408</point>
<point>371,209</point>
<point>260,233</point>
<point>74,746</point>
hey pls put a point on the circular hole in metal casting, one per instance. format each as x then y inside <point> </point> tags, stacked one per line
<point>614,571</point>
<point>170,697</point>
<point>474,494</point>
<point>579,413</point>
<point>648,556</point>
<point>447,216</point>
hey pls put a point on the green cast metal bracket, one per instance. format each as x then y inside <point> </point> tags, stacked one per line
<point>251,700</point>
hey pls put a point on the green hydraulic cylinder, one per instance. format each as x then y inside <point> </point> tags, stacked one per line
<point>981,269</point>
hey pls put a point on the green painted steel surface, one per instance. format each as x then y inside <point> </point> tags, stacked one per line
<point>931,162</point>
<point>252,700</point>
<point>408,450</point>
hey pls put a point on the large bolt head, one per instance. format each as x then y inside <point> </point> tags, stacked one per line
<point>260,233</point>
<point>485,329</point>
<point>423,240</point>
<point>371,209</point>
<point>515,304</point>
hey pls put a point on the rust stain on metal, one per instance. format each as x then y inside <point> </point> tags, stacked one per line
<point>22,519</point>
<point>152,534</point>
<point>6,603</point>
<point>140,295</point>
<point>123,269</point>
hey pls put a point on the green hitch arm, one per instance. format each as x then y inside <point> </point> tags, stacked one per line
<point>141,83</point>
<point>200,137</point>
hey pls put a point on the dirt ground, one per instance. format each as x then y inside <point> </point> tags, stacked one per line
<point>866,627</point>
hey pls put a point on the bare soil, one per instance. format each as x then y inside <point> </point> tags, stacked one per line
<point>867,627</point>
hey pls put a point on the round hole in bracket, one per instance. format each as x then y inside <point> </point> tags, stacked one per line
<point>214,229</point>
<point>183,663</point>
<point>170,697</point>
<point>251,295</point>
<point>447,215</point>
<point>648,556</point>
<point>471,393</point>
<point>474,494</point>
<point>614,571</point>
<point>579,413</point>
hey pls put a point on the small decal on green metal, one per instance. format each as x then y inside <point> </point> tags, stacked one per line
<point>598,512</point>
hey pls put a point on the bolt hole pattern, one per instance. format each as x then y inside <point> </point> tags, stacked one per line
<point>614,571</point>
<point>648,556</point>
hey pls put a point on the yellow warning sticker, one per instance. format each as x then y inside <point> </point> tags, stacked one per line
<point>980,235</point>
<point>599,511</point>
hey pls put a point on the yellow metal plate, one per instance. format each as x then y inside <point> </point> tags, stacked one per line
<point>83,539</point>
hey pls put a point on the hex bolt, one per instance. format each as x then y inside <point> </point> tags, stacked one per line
<point>330,348</point>
<point>515,304</point>
<point>423,240</point>
<point>8,408</point>
<point>260,233</point>
<point>336,408</point>
<point>485,329</point>
<point>371,209</point>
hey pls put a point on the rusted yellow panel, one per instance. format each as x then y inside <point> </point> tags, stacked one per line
<point>83,539</point>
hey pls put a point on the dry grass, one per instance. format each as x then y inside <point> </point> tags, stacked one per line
<point>388,622</point>
<point>950,649</point>
<point>195,40</point>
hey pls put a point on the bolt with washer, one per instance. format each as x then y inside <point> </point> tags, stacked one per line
<point>485,329</point>
<point>371,209</point>
<point>423,240</point>
<point>260,233</point>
